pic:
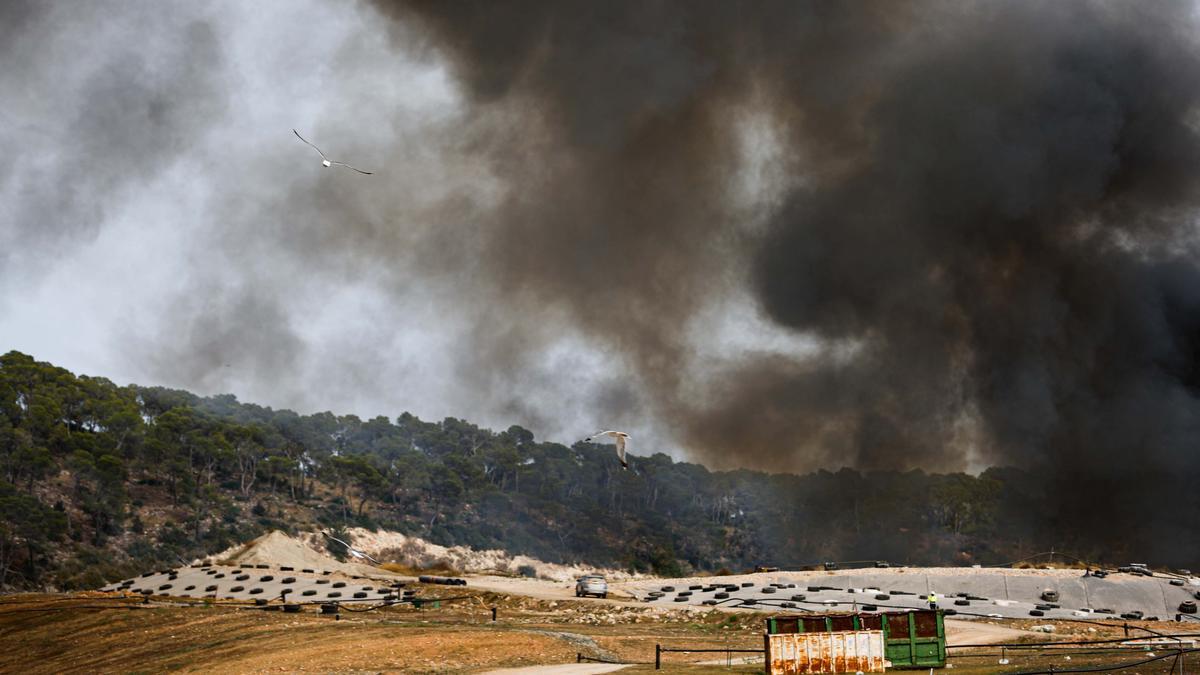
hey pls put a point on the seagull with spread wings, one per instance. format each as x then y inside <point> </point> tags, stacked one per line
<point>325,161</point>
<point>622,439</point>
<point>354,553</point>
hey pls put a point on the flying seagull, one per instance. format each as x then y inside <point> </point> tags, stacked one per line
<point>325,161</point>
<point>622,439</point>
<point>354,553</point>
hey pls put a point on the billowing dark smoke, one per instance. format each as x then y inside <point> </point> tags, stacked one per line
<point>970,223</point>
<point>995,221</point>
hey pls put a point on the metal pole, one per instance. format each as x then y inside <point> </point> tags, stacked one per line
<point>493,614</point>
<point>657,656</point>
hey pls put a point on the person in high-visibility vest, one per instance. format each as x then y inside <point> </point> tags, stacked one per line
<point>932,600</point>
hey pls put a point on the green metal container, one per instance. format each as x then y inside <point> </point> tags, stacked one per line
<point>912,639</point>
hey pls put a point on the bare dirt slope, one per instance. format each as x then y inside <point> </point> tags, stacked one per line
<point>278,549</point>
<point>60,634</point>
<point>389,546</point>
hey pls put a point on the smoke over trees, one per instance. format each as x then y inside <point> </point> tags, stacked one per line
<point>781,235</point>
<point>988,208</point>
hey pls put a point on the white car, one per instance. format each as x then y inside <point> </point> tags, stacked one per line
<point>593,584</point>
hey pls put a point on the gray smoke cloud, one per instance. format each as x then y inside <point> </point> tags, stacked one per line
<point>997,222</point>
<point>776,235</point>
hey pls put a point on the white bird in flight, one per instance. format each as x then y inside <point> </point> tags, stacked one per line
<point>325,161</point>
<point>622,439</point>
<point>354,553</point>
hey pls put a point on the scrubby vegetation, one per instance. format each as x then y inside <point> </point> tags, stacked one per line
<point>99,481</point>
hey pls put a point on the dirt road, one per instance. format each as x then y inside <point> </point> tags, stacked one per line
<point>962,632</point>
<point>561,669</point>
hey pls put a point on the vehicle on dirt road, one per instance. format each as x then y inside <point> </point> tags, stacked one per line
<point>592,584</point>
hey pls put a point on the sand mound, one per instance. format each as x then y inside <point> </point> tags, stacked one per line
<point>277,548</point>
<point>415,552</point>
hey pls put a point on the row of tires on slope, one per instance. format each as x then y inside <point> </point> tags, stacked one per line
<point>961,599</point>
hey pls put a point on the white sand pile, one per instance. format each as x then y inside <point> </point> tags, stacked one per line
<point>415,552</point>
<point>279,549</point>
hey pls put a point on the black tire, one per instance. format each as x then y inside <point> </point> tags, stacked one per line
<point>604,596</point>
<point>333,594</point>
<point>242,577</point>
<point>164,587</point>
<point>883,596</point>
<point>210,589</point>
<point>219,576</point>
<point>1036,612</point>
<point>747,584</point>
<point>695,588</point>
<point>322,581</point>
<point>814,589</point>
<point>950,612</point>
<point>870,608</point>
<point>798,598</point>
<point>237,589</point>
<point>309,592</point>
<point>769,589</point>
<point>962,603</point>
<point>721,596</point>
<point>287,569</point>
<point>288,580</point>
<point>307,571</point>
<point>360,594</point>
<point>667,589</point>
<point>189,588</point>
<point>339,584</point>
<point>266,577</point>
<point>680,599</point>
<point>255,591</point>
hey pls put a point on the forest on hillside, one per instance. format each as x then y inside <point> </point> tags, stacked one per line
<point>100,481</point>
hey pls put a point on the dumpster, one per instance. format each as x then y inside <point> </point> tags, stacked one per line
<point>912,639</point>
<point>854,651</point>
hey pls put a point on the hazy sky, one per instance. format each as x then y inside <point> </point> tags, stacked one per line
<point>160,224</point>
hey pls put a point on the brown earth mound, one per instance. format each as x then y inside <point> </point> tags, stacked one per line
<point>279,549</point>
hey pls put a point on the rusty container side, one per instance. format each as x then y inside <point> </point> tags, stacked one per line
<point>837,652</point>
